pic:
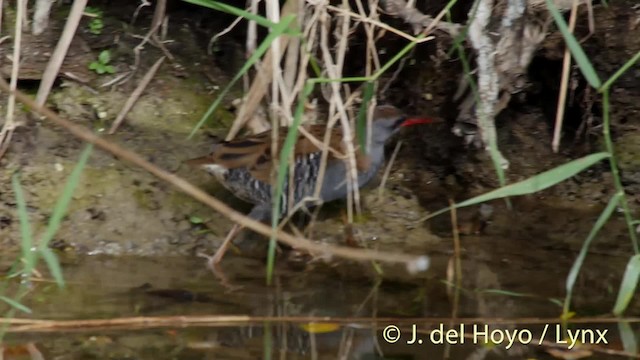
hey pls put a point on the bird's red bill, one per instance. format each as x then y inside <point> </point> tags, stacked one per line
<point>417,121</point>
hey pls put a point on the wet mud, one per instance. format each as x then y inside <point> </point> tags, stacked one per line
<point>129,241</point>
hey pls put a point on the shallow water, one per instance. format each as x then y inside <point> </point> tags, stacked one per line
<point>513,273</point>
<point>344,294</point>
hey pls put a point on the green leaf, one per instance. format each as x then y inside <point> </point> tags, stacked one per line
<point>61,205</point>
<point>262,21</point>
<point>576,50</point>
<point>100,70</point>
<point>15,304</point>
<point>283,167</point>
<point>109,69</point>
<point>195,220</point>
<point>26,235</point>
<point>361,125</point>
<point>577,264</point>
<point>264,46</point>
<point>54,265</point>
<point>620,71</point>
<point>104,57</point>
<point>541,181</point>
<point>92,10</point>
<point>94,65</point>
<point>505,292</point>
<point>628,286</point>
<point>629,343</point>
<point>532,184</point>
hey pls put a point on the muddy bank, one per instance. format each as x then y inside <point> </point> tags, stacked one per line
<point>119,209</point>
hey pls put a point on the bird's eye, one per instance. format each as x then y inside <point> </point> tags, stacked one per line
<point>399,121</point>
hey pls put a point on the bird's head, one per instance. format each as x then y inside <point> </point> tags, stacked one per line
<point>387,120</point>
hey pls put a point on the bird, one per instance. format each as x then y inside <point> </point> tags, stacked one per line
<point>244,165</point>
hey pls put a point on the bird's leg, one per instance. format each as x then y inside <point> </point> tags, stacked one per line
<point>259,212</point>
<point>217,257</point>
<point>214,260</point>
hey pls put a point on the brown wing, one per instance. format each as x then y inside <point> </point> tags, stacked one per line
<point>254,152</point>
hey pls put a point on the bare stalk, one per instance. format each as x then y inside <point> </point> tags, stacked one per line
<point>136,95</point>
<point>9,124</point>
<point>55,62</point>
<point>41,16</point>
<point>562,96</point>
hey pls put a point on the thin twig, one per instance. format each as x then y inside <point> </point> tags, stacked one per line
<point>157,22</point>
<point>1,13</point>
<point>413,263</point>
<point>55,62</point>
<point>380,25</point>
<point>562,96</point>
<point>387,171</point>
<point>135,95</point>
<point>222,33</point>
<point>456,253</point>
<point>143,3</point>
<point>138,49</point>
<point>9,125</point>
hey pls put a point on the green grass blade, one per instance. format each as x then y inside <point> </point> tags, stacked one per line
<point>620,71</point>
<point>26,235</point>
<point>532,184</point>
<point>361,122</point>
<point>577,264</point>
<point>540,181</point>
<point>62,204</point>
<point>505,293</point>
<point>220,6</point>
<point>283,166</point>
<point>576,50</point>
<point>264,46</point>
<point>267,341</point>
<point>14,304</point>
<point>395,58</point>
<point>54,265</point>
<point>629,342</point>
<point>628,286</point>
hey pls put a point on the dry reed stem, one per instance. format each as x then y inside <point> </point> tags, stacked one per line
<point>9,124</point>
<point>222,33</point>
<point>1,13</point>
<point>92,325</point>
<point>564,83</point>
<point>41,16</point>
<point>457,263</point>
<point>293,54</point>
<point>419,21</point>
<point>18,325</point>
<point>387,171</point>
<point>338,103</point>
<point>252,29</point>
<point>138,49</point>
<point>380,25</point>
<point>259,86</point>
<point>158,14</point>
<point>60,52</point>
<point>25,16</point>
<point>135,95</point>
<point>143,3</point>
<point>413,263</point>
<point>342,38</point>
<point>157,22</point>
